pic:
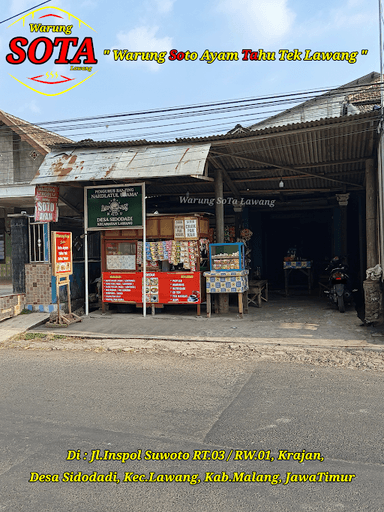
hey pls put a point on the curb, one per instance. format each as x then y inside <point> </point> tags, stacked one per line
<point>197,339</point>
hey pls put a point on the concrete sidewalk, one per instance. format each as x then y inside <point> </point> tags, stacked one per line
<point>21,323</point>
<point>300,321</point>
<point>297,321</point>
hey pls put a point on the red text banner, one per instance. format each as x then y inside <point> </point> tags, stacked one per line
<point>61,253</point>
<point>161,287</point>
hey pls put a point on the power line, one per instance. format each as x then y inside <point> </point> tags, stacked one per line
<point>30,9</point>
<point>178,113</point>
<point>192,110</point>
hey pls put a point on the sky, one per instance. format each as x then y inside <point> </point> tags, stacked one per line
<point>163,25</point>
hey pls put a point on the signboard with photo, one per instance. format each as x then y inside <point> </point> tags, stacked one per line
<point>61,253</point>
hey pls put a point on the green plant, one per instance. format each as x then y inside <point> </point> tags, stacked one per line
<point>34,335</point>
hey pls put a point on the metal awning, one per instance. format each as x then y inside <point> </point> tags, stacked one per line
<point>20,196</point>
<point>141,162</point>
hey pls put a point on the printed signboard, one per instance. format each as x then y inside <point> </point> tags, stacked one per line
<point>121,287</point>
<point>114,207</point>
<point>161,287</point>
<point>61,253</point>
<point>191,229</point>
<point>179,228</point>
<point>179,288</point>
<point>186,229</point>
<point>46,197</point>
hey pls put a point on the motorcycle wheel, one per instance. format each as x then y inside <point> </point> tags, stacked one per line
<point>340,304</point>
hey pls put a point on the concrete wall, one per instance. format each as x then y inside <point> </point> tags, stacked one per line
<point>311,111</point>
<point>6,158</point>
<point>19,161</point>
<point>30,160</point>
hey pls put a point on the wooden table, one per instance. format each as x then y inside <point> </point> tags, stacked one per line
<point>255,292</point>
<point>304,267</point>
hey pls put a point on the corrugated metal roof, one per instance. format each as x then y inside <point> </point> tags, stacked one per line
<point>216,139</point>
<point>326,155</point>
<point>320,156</point>
<point>93,164</point>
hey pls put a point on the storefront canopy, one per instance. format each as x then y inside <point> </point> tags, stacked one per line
<point>121,163</point>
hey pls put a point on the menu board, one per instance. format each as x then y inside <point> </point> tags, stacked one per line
<point>179,288</point>
<point>61,253</point>
<point>161,287</point>
<point>119,287</point>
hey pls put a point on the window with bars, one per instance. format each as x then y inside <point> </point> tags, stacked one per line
<point>38,242</point>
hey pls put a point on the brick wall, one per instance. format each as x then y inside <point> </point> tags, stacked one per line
<point>11,305</point>
<point>38,283</point>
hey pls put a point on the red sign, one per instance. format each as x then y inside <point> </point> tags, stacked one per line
<point>118,287</point>
<point>46,197</point>
<point>161,287</point>
<point>179,288</point>
<point>61,253</point>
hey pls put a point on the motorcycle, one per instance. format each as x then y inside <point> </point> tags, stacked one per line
<point>339,292</point>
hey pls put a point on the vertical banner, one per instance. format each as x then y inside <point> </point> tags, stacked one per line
<point>46,198</point>
<point>61,253</point>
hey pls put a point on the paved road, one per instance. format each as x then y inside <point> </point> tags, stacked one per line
<point>52,402</point>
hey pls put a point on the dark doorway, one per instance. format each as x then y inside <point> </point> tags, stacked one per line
<point>309,231</point>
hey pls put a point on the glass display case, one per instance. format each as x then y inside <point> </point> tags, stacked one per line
<point>224,257</point>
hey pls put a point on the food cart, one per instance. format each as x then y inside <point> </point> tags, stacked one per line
<point>173,252</point>
<point>228,273</point>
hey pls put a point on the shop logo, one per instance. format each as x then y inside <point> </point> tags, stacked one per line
<point>114,207</point>
<point>54,55</point>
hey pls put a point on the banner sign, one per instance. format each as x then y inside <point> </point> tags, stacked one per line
<point>161,287</point>
<point>114,207</point>
<point>120,287</point>
<point>61,253</point>
<point>175,288</point>
<point>46,198</point>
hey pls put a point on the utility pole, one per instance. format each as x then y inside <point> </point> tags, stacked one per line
<point>373,296</point>
<point>381,143</point>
